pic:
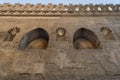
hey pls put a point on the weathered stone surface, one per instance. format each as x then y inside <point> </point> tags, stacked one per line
<point>60,61</point>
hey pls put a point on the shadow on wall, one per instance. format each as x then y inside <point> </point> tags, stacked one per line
<point>35,39</point>
<point>85,39</point>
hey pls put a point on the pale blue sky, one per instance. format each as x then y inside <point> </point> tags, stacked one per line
<point>61,1</point>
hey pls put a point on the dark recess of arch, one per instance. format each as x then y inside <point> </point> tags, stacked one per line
<point>86,35</point>
<point>37,33</point>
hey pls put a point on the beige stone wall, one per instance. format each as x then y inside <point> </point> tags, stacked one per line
<point>50,24</point>
<point>60,59</point>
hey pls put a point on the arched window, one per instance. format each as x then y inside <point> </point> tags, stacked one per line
<point>35,39</point>
<point>85,39</point>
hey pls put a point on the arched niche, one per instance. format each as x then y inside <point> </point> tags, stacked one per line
<point>85,39</point>
<point>35,39</point>
<point>107,33</point>
<point>11,34</point>
<point>60,34</point>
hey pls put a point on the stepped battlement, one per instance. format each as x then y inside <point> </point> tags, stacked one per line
<point>50,9</point>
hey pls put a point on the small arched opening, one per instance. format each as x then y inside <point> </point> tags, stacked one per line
<point>60,34</point>
<point>11,34</point>
<point>35,39</point>
<point>85,39</point>
<point>107,33</point>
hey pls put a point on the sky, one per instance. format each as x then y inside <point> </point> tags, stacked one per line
<point>62,1</point>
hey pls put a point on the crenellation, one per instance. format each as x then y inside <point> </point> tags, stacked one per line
<point>109,8</point>
<point>88,8</point>
<point>118,8</point>
<point>100,8</point>
<point>71,9</point>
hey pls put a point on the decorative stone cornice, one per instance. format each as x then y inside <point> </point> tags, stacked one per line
<point>39,9</point>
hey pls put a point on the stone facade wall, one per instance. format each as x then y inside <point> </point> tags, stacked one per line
<point>60,61</point>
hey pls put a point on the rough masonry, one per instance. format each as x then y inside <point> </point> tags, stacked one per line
<point>60,60</point>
